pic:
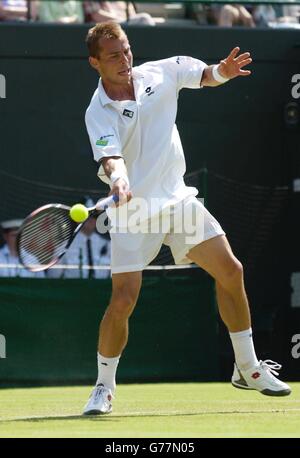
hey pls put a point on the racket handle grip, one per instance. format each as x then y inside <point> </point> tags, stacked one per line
<point>103,204</point>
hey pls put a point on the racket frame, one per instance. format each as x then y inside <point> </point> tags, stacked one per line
<point>97,209</point>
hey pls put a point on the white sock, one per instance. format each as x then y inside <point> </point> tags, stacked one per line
<point>107,368</point>
<point>243,348</point>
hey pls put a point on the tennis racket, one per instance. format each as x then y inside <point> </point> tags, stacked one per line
<point>47,233</point>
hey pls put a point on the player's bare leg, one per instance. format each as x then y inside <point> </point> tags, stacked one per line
<point>113,334</point>
<point>216,257</point>
<point>113,338</point>
<point>235,318</point>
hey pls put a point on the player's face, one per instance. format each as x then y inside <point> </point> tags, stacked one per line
<point>115,60</point>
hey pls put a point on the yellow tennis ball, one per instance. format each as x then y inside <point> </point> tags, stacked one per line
<point>79,213</point>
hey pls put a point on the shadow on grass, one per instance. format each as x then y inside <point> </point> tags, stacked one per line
<point>113,418</point>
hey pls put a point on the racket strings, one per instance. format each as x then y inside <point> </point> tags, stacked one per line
<point>45,236</point>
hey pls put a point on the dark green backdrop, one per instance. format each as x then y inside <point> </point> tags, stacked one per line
<point>49,85</point>
<point>51,330</point>
<point>238,131</point>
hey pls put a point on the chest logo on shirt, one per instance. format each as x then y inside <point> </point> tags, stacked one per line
<point>128,113</point>
<point>148,91</point>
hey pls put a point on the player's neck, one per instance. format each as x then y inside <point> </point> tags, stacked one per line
<point>119,92</point>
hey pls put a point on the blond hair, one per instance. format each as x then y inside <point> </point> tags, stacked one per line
<point>111,30</point>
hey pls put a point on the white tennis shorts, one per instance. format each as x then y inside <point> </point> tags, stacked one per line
<point>181,227</point>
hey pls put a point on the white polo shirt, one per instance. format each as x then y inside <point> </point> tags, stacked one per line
<point>144,133</point>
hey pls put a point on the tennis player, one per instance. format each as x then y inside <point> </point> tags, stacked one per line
<point>131,126</point>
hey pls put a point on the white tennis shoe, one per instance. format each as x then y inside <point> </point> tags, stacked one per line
<point>261,378</point>
<point>99,402</point>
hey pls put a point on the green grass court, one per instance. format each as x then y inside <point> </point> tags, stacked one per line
<point>151,410</point>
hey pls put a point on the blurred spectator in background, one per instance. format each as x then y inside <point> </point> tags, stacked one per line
<point>203,13</point>
<point>288,13</point>
<point>88,248</point>
<point>17,10</point>
<point>9,255</point>
<point>229,15</point>
<point>61,11</point>
<point>96,11</point>
<point>277,15</point>
<point>222,15</point>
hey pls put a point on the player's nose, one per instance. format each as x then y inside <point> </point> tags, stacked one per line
<point>124,58</point>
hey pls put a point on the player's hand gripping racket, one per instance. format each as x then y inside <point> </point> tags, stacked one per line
<point>47,233</point>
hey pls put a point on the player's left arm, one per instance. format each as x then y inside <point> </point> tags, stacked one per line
<point>228,68</point>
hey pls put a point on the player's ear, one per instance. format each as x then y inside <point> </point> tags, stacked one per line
<point>93,62</point>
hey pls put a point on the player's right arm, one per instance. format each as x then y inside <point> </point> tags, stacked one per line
<point>107,151</point>
<point>115,170</point>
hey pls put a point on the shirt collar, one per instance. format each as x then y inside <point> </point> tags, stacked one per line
<point>105,100</point>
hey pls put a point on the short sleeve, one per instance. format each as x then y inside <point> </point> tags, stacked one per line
<point>104,141</point>
<point>188,71</point>
<point>103,137</point>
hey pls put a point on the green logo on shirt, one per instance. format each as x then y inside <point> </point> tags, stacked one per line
<point>101,142</point>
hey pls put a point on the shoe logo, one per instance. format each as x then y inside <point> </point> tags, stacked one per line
<point>104,364</point>
<point>255,375</point>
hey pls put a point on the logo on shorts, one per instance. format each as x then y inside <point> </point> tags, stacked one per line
<point>128,113</point>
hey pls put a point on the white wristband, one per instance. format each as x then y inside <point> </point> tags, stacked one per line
<point>114,176</point>
<point>217,76</point>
